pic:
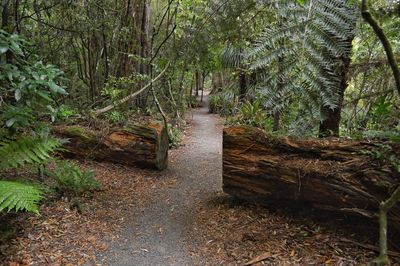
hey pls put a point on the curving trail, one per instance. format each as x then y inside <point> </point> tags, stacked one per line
<point>158,233</point>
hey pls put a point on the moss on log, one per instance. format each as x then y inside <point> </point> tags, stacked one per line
<point>144,146</point>
<point>328,174</point>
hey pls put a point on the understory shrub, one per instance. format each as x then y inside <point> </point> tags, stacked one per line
<point>71,180</point>
<point>224,103</point>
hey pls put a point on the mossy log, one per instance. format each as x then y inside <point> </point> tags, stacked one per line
<point>327,174</point>
<point>145,146</point>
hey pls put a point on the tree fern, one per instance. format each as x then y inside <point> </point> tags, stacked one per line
<point>301,53</point>
<point>232,57</point>
<point>18,196</point>
<point>26,150</point>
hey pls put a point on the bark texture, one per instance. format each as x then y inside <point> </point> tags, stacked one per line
<point>330,174</point>
<point>142,146</point>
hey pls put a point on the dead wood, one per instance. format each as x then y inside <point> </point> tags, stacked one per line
<point>144,146</point>
<point>327,174</point>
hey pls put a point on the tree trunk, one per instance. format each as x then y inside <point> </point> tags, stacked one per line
<point>331,117</point>
<point>6,25</point>
<point>144,50</point>
<point>197,83</point>
<point>242,85</point>
<point>142,146</point>
<point>331,175</point>
<point>277,120</point>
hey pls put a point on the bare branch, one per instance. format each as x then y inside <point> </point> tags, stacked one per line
<point>133,95</point>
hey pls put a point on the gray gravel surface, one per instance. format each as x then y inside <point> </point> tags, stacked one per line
<point>159,233</point>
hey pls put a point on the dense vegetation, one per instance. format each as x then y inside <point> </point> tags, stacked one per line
<point>310,68</point>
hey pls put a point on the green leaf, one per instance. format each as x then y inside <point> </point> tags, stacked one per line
<point>3,49</point>
<point>44,95</point>
<point>56,89</point>
<point>17,94</point>
<point>15,47</point>
<point>10,122</point>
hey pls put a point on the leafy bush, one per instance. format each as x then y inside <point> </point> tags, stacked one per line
<point>193,102</point>
<point>224,102</point>
<point>115,116</point>
<point>175,135</point>
<point>29,89</point>
<point>71,180</point>
<point>252,114</point>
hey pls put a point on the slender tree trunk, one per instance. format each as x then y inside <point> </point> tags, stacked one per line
<point>6,25</point>
<point>144,40</point>
<point>192,84</point>
<point>331,117</point>
<point>197,83</point>
<point>242,85</point>
<point>277,120</point>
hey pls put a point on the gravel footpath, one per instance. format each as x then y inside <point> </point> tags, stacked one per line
<point>158,233</point>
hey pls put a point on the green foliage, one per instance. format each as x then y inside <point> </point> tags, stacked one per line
<point>115,116</point>
<point>233,57</point>
<point>71,180</point>
<point>26,150</point>
<point>381,134</point>
<point>18,196</point>
<point>252,114</point>
<point>224,102</point>
<point>118,87</point>
<point>18,152</point>
<point>385,154</point>
<point>300,53</point>
<point>64,112</point>
<point>29,88</point>
<point>175,135</point>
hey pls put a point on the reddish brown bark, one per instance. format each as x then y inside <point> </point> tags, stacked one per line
<point>142,146</point>
<point>331,175</point>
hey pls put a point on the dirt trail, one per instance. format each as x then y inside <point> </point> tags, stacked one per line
<point>159,232</point>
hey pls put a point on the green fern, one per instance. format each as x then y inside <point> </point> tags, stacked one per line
<point>70,179</point>
<point>18,196</point>
<point>17,153</point>
<point>300,55</point>
<point>232,57</point>
<point>26,150</point>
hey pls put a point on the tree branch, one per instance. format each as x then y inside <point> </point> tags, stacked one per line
<point>385,42</point>
<point>123,100</point>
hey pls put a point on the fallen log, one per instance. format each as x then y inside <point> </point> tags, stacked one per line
<point>138,145</point>
<point>333,175</point>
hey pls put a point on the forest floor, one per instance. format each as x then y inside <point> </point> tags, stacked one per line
<point>177,217</point>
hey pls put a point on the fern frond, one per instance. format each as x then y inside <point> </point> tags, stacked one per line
<point>301,54</point>
<point>26,150</point>
<point>232,57</point>
<point>18,196</point>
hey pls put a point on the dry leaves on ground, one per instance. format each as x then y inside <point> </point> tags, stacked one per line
<point>239,234</point>
<point>62,236</point>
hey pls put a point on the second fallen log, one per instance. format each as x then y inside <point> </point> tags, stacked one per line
<point>327,174</point>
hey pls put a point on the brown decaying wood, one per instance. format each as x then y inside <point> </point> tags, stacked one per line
<point>142,146</point>
<point>328,174</point>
